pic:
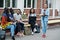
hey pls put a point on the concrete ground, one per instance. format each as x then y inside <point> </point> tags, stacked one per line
<point>52,34</point>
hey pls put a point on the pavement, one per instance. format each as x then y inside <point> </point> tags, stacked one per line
<point>52,34</point>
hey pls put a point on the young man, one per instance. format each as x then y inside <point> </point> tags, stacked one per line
<point>44,19</point>
<point>19,23</point>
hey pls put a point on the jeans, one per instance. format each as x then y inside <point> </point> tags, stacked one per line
<point>44,26</point>
<point>12,29</point>
<point>20,27</point>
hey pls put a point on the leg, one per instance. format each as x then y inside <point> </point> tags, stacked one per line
<point>12,28</point>
<point>32,28</point>
<point>46,24</point>
<point>44,28</point>
<point>18,27</point>
<point>22,29</point>
<point>42,24</point>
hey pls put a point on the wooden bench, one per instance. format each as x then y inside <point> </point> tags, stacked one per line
<point>53,21</point>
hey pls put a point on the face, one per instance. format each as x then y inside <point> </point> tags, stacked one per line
<point>19,12</point>
<point>45,6</point>
<point>32,10</point>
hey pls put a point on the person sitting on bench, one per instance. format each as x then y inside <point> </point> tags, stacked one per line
<point>7,21</point>
<point>19,23</point>
<point>32,19</point>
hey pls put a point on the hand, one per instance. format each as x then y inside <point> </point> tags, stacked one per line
<point>11,22</point>
<point>20,21</point>
<point>41,14</point>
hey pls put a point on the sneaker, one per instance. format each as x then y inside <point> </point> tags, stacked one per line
<point>13,38</point>
<point>43,35</point>
<point>32,33</point>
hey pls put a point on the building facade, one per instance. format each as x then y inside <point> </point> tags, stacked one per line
<point>26,5</point>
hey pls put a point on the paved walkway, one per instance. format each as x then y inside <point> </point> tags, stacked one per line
<point>52,34</point>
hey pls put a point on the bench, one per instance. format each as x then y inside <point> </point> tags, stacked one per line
<point>53,21</point>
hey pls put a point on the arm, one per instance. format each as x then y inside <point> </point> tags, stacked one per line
<point>4,20</point>
<point>47,14</point>
<point>41,13</point>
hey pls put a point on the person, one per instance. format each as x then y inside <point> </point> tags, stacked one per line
<point>44,19</point>
<point>11,12</point>
<point>7,23</point>
<point>19,23</point>
<point>32,19</point>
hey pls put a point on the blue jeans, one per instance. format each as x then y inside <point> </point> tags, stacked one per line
<point>44,26</point>
<point>12,29</point>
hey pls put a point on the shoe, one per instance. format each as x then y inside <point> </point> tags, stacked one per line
<point>43,36</point>
<point>32,33</point>
<point>13,38</point>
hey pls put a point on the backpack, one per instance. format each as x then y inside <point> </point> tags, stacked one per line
<point>2,34</point>
<point>37,29</point>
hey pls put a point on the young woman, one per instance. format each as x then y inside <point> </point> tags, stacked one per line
<point>7,23</point>
<point>19,23</point>
<point>11,12</point>
<point>32,19</point>
<point>44,19</point>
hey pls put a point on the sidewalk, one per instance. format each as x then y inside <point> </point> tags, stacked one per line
<point>52,34</point>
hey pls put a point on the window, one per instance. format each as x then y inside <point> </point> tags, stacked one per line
<point>49,2</point>
<point>30,3</point>
<point>1,3</point>
<point>14,3</point>
<point>7,3</point>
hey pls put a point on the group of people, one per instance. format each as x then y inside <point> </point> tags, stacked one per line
<point>13,21</point>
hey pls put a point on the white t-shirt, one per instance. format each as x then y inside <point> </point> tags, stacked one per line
<point>17,17</point>
<point>32,15</point>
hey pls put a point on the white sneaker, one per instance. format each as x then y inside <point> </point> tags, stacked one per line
<point>32,33</point>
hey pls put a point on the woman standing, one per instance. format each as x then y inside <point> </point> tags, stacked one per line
<point>44,19</point>
<point>32,19</point>
<point>7,23</point>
